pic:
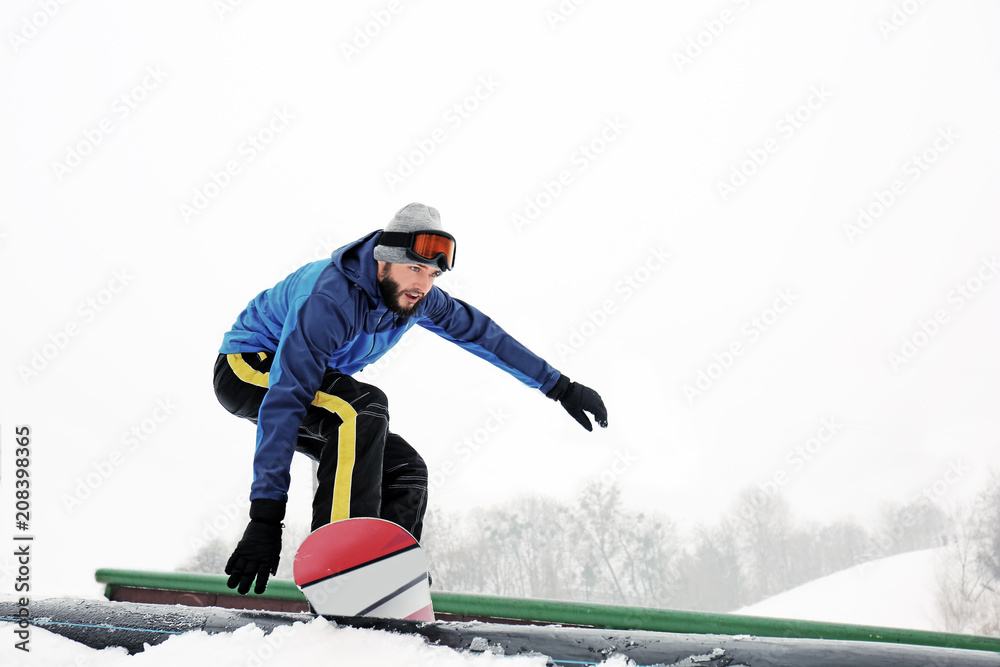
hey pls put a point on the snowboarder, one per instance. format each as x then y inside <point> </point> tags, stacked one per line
<point>287,362</point>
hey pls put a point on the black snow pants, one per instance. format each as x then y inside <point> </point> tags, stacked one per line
<point>364,470</point>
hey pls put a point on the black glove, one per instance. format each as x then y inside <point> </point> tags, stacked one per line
<point>257,553</point>
<point>576,398</point>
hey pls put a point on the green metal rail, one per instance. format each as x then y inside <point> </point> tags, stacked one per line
<point>277,589</point>
<point>612,617</point>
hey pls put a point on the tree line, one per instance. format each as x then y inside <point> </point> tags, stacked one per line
<point>595,549</point>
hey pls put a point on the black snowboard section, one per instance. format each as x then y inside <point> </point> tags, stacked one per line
<point>101,624</point>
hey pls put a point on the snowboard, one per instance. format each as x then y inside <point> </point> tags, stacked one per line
<point>364,567</point>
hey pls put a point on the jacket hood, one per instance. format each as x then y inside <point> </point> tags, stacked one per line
<point>356,260</point>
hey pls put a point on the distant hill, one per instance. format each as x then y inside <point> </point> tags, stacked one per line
<point>897,591</point>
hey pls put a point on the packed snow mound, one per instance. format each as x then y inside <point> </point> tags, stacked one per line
<point>897,592</point>
<point>318,642</point>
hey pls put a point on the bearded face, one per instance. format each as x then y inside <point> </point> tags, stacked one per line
<point>405,286</point>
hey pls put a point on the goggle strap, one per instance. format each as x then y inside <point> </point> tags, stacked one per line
<point>396,239</point>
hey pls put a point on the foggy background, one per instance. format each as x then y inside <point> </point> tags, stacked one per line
<point>766,233</point>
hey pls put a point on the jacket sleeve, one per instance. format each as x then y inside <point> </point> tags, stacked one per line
<point>315,325</point>
<point>464,325</point>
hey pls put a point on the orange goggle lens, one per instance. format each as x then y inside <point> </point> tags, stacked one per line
<point>423,246</point>
<point>430,246</point>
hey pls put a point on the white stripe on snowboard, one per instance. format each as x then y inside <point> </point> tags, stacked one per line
<point>403,602</point>
<point>352,592</point>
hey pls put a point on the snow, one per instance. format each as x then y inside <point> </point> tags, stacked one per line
<point>896,592</point>
<point>891,592</point>
<point>314,643</point>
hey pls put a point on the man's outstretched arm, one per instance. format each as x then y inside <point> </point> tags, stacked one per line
<point>465,325</point>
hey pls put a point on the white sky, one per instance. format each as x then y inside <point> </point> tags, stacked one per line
<point>164,162</point>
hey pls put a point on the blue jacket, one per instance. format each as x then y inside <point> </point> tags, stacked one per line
<point>330,314</point>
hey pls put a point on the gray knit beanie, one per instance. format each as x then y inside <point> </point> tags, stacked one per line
<point>411,218</point>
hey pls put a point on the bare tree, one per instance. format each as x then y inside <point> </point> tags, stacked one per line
<point>968,595</point>
<point>710,573</point>
<point>763,528</point>
<point>960,584</point>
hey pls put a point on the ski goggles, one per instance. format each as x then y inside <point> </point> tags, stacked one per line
<point>425,246</point>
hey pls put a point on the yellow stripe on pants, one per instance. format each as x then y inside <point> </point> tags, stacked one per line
<point>346,450</point>
<point>245,372</point>
<point>346,436</point>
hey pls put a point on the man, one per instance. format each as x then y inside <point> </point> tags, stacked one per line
<point>287,363</point>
